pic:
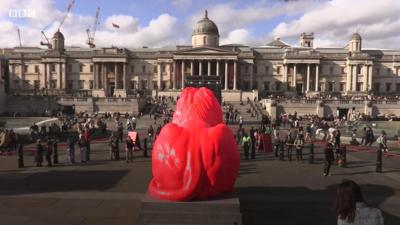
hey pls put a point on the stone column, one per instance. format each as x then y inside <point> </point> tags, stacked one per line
<point>103,76</point>
<point>234,75</point>
<point>124,76</point>
<point>200,68</point>
<point>285,76</point>
<point>191,68</point>
<point>354,80</point>
<point>348,78</point>
<point>316,76</point>
<point>11,78</point>
<point>116,75</point>
<point>48,75</point>
<point>174,75</point>
<point>370,77</point>
<point>209,68</point>
<point>159,73</point>
<point>217,68</point>
<point>226,75</point>
<point>365,76</point>
<point>95,69</point>
<point>308,78</point>
<point>294,80</point>
<point>251,76</point>
<point>183,75</point>
<point>22,72</point>
<point>60,76</point>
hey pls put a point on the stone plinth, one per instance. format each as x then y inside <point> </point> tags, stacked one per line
<point>99,93</point>
<point>120,93</point>
<point>221,211</point>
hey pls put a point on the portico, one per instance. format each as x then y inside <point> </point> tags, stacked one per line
<point>302,76</point>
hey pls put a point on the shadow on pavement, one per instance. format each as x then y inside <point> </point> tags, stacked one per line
<point>301,206</point>
<point>59,181</point>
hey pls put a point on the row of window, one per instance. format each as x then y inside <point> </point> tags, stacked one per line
<point>246,69</point>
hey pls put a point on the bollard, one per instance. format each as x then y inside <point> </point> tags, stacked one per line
<point>344,156</point>
<point>276,149</point>
<point>379,161</point>
<point>311,155</point>
<point>55,152</point>
<point>281,151</point>
<point>145,148</point>
<point>20,156</point>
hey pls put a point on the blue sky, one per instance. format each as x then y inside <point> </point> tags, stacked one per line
<point>160,23</point>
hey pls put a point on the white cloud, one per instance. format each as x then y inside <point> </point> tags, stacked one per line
<point>336,20</point>
<point>159,32</point>
<point>238,36</point>
<point>126,23</point>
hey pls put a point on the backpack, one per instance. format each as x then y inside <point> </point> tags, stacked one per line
<point>379,140</point>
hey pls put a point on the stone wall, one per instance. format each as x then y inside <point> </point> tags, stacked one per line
<point>102,105</point>
<point>29,105</point>
<point>330,107</point>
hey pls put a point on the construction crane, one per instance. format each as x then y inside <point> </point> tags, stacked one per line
<point>90,40</point>
<point>46,40</point>
<point>19,37</point>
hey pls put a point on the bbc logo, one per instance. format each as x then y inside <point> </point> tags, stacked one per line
<point>21,13</point>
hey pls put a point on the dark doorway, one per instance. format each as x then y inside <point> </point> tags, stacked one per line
<point>342,112</point>
<point>299,89</point>
<point>211,82</point>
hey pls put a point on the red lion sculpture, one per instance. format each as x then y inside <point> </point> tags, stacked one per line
<point>195,156</point>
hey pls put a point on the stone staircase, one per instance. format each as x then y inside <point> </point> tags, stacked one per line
<point>243,111</point>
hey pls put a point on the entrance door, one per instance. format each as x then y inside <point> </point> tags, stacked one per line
<point>112,88</point>
<point>299,89</point>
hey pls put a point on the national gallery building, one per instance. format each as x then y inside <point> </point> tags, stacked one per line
<point>238,70</point>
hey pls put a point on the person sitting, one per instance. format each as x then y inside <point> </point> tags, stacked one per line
<point>351,208</point>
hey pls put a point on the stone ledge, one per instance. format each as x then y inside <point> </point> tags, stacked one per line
<point>221,211</point>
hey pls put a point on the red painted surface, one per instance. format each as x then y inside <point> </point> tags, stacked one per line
<point>195,156</point>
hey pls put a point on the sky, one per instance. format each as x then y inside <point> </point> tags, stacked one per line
<point>159,23</point>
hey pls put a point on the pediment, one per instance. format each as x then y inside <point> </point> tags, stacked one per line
<point>205,51</point>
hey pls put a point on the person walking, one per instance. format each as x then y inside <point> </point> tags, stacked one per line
<point>351,208</point>
<point>55,151</point>
<point>253,143</point>
<point>129,150</point>
<point>114,144</point>
<point>246,145</point>
<point>49,152</point>
<point>20,156</point>
<point>82,148</point>
<point>289,146</point>
<point>329,157</point>
<point>39,153</point>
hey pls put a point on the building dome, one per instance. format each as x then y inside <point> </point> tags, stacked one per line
<point>205,33</point>
<point>58,41</point>
<point>356,36</point>
<point>205,26</point>
<point>58,35</point>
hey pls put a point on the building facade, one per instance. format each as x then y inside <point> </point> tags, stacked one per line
<point>276,68</point>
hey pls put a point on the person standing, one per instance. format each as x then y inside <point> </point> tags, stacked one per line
<point>289,146</point>
<point>240,122</point>
<point>86,138</point>
<point>329,157</point>
<point>253,143</point>
<point>364,136</point>
<point>150,133</point>
<point>71,147</point>
<point>120,130</point>
<point>246,145</point>
<point>39,153</point>
<point>351,208</point>
<point>299,143</point>
<point>82,148</point>
<point>382,141</point>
